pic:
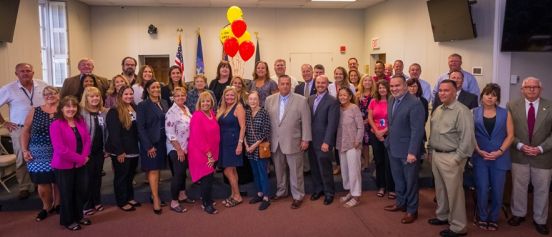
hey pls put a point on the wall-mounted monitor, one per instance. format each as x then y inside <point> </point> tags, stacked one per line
<point>8,15</point>
<point>451,20</point>
<point>527,26</point>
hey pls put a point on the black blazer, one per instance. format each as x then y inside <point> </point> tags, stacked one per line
<point>151,122</point>
<point>466,98</point>
<point>300,89</point>
<point>166,94</point>
<point>325,120</point>
<point>119,139</point>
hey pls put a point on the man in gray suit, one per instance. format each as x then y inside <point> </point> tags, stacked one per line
<point>531,154</point>
<point>404,143</point>
<point>71,85</point>
<point>291,133</point>
<point>325,119</point>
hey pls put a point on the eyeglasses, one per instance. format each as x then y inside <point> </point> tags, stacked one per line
<point>531,87</point>
<point>50,94</point>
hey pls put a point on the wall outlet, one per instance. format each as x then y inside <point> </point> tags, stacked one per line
<point>514,79</point>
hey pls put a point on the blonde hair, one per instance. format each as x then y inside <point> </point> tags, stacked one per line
<point>202,96</point>
<point>361,89</point>
<point>223,107</point>
<point>243,91</point>
<point>89,91</point>
<point>179,89</point>
<point>112,90</point>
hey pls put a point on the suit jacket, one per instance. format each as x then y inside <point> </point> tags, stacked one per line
<point>542,133</point>
<point>71,85</point>
<point>324,120</point>
<point>151,122</point>
<point>295,125</point>
<point>491,142</point>
<point>300,89</point>
<point>468,99</point>
<point>119,139</point>
<point>406,127</point>
<point>64,144</point>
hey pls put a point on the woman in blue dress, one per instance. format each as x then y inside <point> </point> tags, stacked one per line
<point>494,133</point>
<point>231,119</point>
<point>150,120</point>
<point>37,151</point>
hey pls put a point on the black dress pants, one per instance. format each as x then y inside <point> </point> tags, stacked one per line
<point>122,180</point>
<point>94,169</point>
<point>178,168</point>
<point>72,185</point>
<point>206,187</point>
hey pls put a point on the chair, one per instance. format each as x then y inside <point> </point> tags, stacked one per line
<point>7,167</point>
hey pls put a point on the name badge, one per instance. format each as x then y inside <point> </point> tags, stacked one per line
<point>101,121</point>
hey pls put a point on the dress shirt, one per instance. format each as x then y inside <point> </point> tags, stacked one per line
<point>536,105</point>
<point>283,103</point>
<point>470,83</point>
<point>19,99</point>
<point>426,90</point>
<point>308,86</point>
<point>452,129</point>
<point>397,102</point>
<point>317,100</point>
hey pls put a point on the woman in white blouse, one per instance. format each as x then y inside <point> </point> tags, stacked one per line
<point>177,127</point>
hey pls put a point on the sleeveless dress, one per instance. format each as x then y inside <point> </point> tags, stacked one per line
<point>40,147</point>
<point>229,137</point>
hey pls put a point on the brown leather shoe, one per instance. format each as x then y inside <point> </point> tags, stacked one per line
<point>296,204</point>
<point>394,208</point>
<point>409,218</point>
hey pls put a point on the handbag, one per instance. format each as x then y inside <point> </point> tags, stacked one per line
<point>264,148</point>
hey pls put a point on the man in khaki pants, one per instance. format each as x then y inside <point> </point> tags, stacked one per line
<point>451,142</point>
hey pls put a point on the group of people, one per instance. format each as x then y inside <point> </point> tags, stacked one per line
<point>62,137</point>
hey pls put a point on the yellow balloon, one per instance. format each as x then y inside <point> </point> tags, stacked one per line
<point>226,33</point>
<point>245,37</point>
<point>234,13</point>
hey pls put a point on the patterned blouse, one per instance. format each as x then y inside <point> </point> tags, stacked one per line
<point>363,105</point>
<point>256,128</point>
<point>177,127</point>
<point>193,97</point>
<point>264,91</point>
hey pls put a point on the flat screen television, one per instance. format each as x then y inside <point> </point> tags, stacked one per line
<point>451,20</point>
<point>8,15</point>
<point>527,26</point>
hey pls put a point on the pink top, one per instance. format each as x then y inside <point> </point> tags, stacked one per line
<point>376,78</point>
<point>204,137</point>
<point>379,113</point>
<point>64,144</point>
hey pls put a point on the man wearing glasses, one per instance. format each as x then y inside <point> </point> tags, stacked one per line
<point>20,96</point>
<point>531,154</point>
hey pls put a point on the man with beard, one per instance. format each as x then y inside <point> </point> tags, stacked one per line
<point>129,65</point>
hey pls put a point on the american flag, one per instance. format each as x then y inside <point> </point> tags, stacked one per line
<point>179,60</point>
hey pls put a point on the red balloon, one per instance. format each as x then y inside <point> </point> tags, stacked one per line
<point>231,46</point>
<point>246,50</point>
<point>239,27</point>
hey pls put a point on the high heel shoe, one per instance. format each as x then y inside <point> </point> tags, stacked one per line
<point>163,203</point>
<point>157,211</point>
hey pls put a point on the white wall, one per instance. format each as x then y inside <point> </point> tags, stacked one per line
<point>118,32</point>
<point>79,37</point>
<point>532,64</point>
<point>404,30</point>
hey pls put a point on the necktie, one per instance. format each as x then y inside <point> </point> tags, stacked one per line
<point>395,105</point>
<point>531,121</point>
<point>307,91</point>
<point>316,102</point>
<point>282,108</point>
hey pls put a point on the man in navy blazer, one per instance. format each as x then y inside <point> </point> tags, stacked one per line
<point>308,84</point>
<point>325,119</point>
<point>466,98</point>
<point>404,144</point>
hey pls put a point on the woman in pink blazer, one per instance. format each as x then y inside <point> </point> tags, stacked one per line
<point>203,148</point>
<point>71,144</point>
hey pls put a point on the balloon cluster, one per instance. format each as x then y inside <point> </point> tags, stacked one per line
<point>235,37</point>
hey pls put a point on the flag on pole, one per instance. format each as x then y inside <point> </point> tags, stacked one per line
<point>200,66</point>
<point>179,60</point>
<point>257,52</point>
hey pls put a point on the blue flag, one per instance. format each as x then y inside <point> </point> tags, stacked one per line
<point>200,66</point>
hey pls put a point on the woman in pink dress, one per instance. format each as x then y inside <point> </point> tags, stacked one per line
<point>203,148</point>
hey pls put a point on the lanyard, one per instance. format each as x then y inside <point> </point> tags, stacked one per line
<point>26,94</point>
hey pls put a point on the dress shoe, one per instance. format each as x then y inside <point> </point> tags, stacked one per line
<point>23,194</point>
<point>264,205</point>
<point>256,199</point>
<point>316,196</point>
<point>542,229</point>
<point>450,233</point>
<point>435,221</point>
<point>409,218</point>
<point>516,220</point>
<point>328,200</point>
<point>296,204</point>
<point>394,208</point>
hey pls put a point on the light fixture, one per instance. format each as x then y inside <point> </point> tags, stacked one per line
<point>333,0</point>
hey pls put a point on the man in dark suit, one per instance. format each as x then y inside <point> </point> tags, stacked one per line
<point>531,154</point>
<point>307,87</point>
<point>466,98</point>
<point>325,119</point>
<point>404,145</point>
<point>71,85</point>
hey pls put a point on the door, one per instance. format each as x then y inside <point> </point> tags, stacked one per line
<point>160,65</point>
